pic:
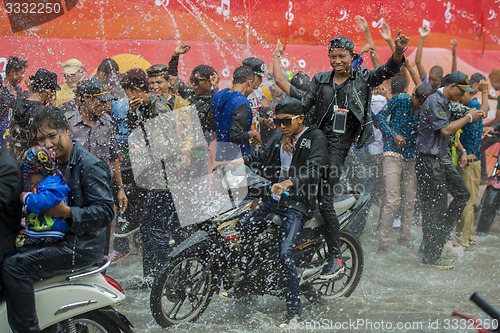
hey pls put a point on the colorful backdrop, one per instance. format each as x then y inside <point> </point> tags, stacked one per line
<point>224,32</point>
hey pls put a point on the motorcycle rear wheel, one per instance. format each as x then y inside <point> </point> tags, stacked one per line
<point>353,260</point>
<point>182,291</point>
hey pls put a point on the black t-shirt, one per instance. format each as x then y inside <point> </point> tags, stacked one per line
<point>340,99</point>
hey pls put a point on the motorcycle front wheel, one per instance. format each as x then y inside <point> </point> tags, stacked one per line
<point>490,203</point>
<point>182,291</point>
<point>353,260</point>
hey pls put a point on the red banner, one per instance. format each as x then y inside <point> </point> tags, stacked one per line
<point>223,32</point>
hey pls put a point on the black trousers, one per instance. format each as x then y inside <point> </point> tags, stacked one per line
<point>458,190</point>
<point>329,188</point>
<point>437,218</point>
<point>32,263</point>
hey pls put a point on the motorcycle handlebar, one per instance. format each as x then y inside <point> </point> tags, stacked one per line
<point>285,193</point>
<point>485,306</point>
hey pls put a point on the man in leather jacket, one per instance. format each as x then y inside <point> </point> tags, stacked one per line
<point>342,99</point>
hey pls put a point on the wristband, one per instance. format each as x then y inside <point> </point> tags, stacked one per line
<point>122,186</point>
<point>400,52</point>
<point>471,119</point>
<point>464,151</point>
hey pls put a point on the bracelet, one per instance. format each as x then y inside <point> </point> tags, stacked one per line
<point>121,186</point>
<point>400,52</point>
<point>471,119</point>
<point>464,150</point>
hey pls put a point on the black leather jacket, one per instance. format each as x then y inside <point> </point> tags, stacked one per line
<point>362,80</point>
<point>309,162</point>
<point>91,203</point>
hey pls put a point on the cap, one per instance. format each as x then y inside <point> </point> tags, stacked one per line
<point>476,77</point>
<point>341,42</point>
<point>461,80</point>
<point>289,105</point>
<point>96,88</point>
<point>72,66</point>
<point>258,66</point>
<point>158,70</point>
<point>44,79</point>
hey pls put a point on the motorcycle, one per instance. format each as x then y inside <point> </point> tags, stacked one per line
<point>490,202</point>
<point>207,261</point>
<point>77,302</point>
<point>481,325</point>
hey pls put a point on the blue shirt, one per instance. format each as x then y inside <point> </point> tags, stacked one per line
<point>472,132</point>
<point>403,121</point>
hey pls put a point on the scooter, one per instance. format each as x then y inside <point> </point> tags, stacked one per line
<point>77,302</point>
<point>207,261</point>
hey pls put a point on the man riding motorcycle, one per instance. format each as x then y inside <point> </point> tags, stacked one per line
<point>296,173</point>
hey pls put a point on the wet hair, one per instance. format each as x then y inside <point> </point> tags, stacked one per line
<point>444,81</point>
<point>437,70</point>
<point>15,64</point>
<point>136,78</point>
<point>108,66</point>
<point>204,71</point>
<point>158,70</point>
<point>301,81</point>
<point>495,75</point>
<point>52,117</point>
<point>476,77</point>
<point>423,91</point>
<point>398,85</point>
<point>242,74</point>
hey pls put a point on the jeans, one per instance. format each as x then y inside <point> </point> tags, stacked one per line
<point>32,263</point>
<point>293,221</point>
<point>328,189</point>
<point>471,174</point>
<point>398,173</point>
<point>160,224</point>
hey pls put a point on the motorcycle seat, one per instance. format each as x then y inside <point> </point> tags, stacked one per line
<point>341,204</point>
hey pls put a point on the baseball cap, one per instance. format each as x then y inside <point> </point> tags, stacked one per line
<point>341,42</point>
<point>258,66</point>
<point>44,79</point>
<point>96,88</point>
<point>289,105</point>
<point>72,66</point>
<point>461,80</point>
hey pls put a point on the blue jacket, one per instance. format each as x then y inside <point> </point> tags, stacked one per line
<point>50,192</point>
<point>91,203</point>
<point>233,120</point>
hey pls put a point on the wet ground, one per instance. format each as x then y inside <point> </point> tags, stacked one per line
<point>395,294</point>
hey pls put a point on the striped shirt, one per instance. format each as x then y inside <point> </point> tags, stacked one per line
<point>403,121</point>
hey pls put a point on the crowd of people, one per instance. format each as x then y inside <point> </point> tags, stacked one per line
<point>74,145</point>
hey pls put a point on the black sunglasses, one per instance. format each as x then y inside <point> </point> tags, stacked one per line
<point>285,121</point>
<point>196,81</point>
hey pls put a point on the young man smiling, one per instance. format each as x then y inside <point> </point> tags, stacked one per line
<point>342,99</point>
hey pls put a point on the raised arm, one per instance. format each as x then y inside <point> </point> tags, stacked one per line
<point>385,32</point>
<point>424,31</point>
<point>454,65</point>
<point>413,73</point>
<point>370,45</point>
<point>174,61</point>
<point>279,78</point>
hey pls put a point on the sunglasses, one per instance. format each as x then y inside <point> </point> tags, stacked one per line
<point>196,81</point>
<point>285,121</point>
